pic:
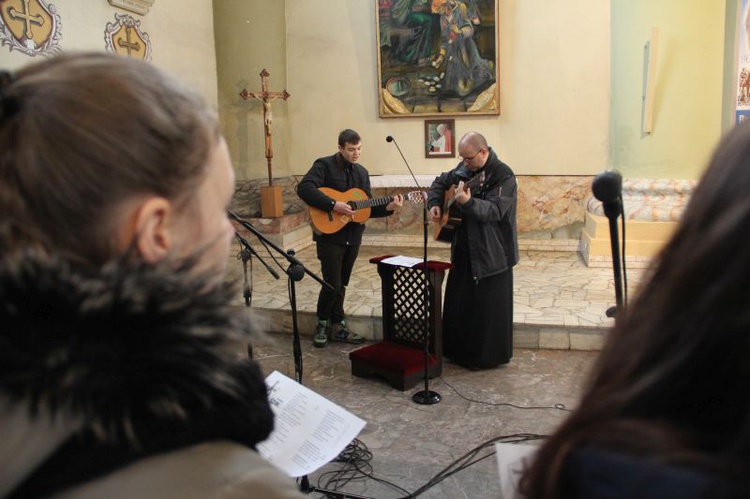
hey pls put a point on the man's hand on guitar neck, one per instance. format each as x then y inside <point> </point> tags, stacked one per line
<point>396,204</point>
<point>463,194</point>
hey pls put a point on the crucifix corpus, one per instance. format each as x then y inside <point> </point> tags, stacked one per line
<point>270,197</point>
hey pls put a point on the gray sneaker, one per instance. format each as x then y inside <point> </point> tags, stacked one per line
<point>320,339</point>
<point>339,332</point>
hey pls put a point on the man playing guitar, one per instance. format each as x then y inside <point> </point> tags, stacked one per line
<point>337,251</point>
<point>478,307</point>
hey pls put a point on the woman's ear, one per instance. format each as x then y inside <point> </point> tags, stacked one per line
<point>151,229</point>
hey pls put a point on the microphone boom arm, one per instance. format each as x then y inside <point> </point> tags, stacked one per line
<point>290,258</point>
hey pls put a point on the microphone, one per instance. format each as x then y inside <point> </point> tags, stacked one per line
<point>247,225</point>
<point>607,186</point>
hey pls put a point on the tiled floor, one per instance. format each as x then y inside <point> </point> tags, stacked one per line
<point>410,444</point>
<point>559,302</point>
<point>560,320</point>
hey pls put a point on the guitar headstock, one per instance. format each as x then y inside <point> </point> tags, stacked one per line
<point>416,196</point>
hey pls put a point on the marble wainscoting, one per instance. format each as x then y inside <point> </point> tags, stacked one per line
<point>651,209</point>
<point>291,231</point>
<point>555,213</point>
<point>551,212</point>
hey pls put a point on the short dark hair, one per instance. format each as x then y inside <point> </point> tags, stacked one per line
<point>349,136</point>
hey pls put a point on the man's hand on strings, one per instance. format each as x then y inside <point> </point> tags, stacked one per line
<point>435,213</point>
<point>343,208</point>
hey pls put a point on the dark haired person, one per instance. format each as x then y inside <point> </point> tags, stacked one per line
<point>338,251</point>
<point>116,376</point>
<point>666,413</point>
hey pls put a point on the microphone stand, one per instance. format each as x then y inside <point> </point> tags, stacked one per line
<point>245,254</point>
<point>426,396</point>
<point>296,271</point>
<point>613,209</point>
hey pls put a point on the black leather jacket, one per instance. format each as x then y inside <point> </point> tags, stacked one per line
<point>489,217</point>
<point>337,173</point>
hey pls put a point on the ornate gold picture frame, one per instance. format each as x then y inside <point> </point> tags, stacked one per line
<point>438,57</point>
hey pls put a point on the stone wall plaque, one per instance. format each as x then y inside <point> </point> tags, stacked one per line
<point>138,6</point>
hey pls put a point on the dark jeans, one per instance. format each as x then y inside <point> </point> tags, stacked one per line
<point>336,264</point>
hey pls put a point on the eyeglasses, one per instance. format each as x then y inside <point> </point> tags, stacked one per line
<point>469,159</point>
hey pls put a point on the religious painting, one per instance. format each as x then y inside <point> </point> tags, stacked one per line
<point>438,57</point>
<point>439,138</point>
<point>126,38</point>
<point>30,26</point>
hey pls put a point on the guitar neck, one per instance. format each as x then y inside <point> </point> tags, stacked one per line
<point>474,181</point>
<point>369,203</point>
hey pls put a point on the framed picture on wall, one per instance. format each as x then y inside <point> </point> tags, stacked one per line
<point>437,57</point>
<point>439,138</point>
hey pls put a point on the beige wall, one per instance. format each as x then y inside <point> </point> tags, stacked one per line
<point>689,86</point>
<point>250,37</point>
<point>562,113</point>
<point>554,62</point>
<point>181,33</point>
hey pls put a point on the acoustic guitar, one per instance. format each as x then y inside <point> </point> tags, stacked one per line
<point>451,217</point>
<point>329,222</point>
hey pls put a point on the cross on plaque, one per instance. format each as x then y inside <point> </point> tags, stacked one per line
<point>266,96</point>
<point>127,44</point>
<point>27,18</point>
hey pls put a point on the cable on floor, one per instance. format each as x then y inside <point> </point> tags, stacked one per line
<point>558,406</point>
<point>472,457</point>
<point>355,461</point>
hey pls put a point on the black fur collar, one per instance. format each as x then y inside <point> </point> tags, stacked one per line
<point>134,350</point>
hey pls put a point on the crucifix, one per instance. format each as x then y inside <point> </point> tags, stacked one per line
<point>266,96</point>
<point>271,202</point>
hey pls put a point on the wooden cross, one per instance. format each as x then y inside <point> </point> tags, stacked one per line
<point>266,96</point>
<point>27,18</point>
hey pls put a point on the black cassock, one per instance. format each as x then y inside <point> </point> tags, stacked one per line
<point>478,315</point>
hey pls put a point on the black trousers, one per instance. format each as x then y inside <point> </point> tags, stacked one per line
<point>336,264</point>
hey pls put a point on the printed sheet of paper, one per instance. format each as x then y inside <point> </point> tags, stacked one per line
<point>310,430</point>
<point>402,261</point>
<point>510,461</point>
